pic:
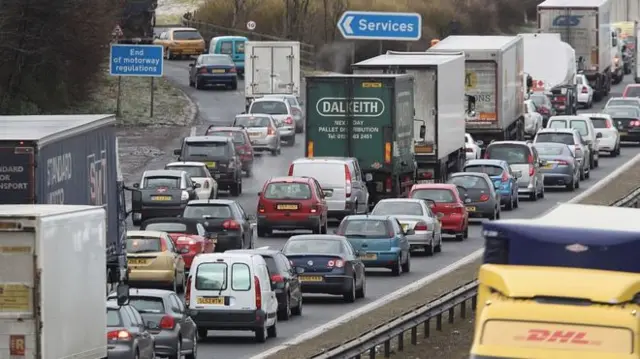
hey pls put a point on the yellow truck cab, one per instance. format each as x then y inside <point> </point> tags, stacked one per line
<point>562,286</point>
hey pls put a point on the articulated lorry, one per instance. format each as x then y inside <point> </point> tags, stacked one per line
<point>67,159</point>
<point>369,117</point>
<point>52,298</point>
<point>493,83</point>
<point>439,129</point>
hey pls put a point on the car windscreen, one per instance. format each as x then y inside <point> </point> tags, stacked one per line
<point>312,246</point>
<point>364,228</point>
<point>622,112</point>
<point>436,195</point>
<point>186,35</point>
<point>549,150</point>
<point>470,182</point>
<point>398,208</point>
<point>217,60</point>
<point>147,304</point>
<point>329,175</point>
<point>269,107</point>
<point>488,169</point>
<point>286,191</point>
<point>249,122</point>
<point>554,137</point>
<point>168,227</point>
<point>113,318</point>
<point>207,211</point>
<point>153,182</point>
<point>211,276</point>
<point>599,122</point>
<point>512,153</point>
<point>206,149</point>
<point>237,137</point>
<point>193,171</point>
<point>142,244</point>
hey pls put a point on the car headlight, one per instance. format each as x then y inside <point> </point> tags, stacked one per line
<point>184,196</point>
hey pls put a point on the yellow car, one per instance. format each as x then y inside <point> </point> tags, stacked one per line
<point>181,41</point>
<point>153,259</point>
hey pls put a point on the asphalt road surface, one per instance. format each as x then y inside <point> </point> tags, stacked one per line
<point>219,107</point>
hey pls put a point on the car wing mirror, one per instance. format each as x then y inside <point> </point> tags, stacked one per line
<point>122,294</point>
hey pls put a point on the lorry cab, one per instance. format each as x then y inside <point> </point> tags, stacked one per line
<point>232,46</point>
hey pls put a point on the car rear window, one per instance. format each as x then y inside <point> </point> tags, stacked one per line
<point>581,126</point>
<point>436,195</point>
<point>397,208</point>
<point>206,149</point>
<point>490,170</point>
<point>470,182</point>
<point>364,227</point>
<point>283,190</point>
<point>113,318</point>
<point>240,277</point>
<point>513,154</point>
<point>186,35</point>
<point>565,138</point>
<point>329,175</point>
<point>141,244</point>
<point>622,102</point>
<point>312,246</point>
<point>599,122</point>
<point>632,91</point>
<point>236,136</point>
<point>557,124</point>
<point>167,227</point>
<point>217,60</point>
<point>193,171</point>
<point>147,304</point>
<point>271,264</point>
<point>621,112</point>
<point>207,211</point>
<point>161,182</point>
<point>550,150</point>
<point>211,276</point>
<point>249,122</point>
<point>269,107</point>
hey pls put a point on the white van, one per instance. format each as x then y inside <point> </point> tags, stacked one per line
<point>585,128</point>
<point>231,291</point>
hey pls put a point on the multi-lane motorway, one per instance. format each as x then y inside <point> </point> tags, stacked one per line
<point>219,107</point>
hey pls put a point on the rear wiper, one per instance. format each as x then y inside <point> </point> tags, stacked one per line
<point>145,251</point>
<point>356,235</point>
<point>224,280</point>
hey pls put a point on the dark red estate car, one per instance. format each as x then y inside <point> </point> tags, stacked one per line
<point>290,203</point>
<point>444,198</point>
<point>241,140</point>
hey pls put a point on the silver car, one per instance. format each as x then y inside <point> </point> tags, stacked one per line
<point>281,111</point>
<point>296,109</point>
<point>623,101</point>
<point>572,138</point>
<point>522,157</point>
<point>414,214</point>
<point>127,334</point>
<point>561,167</point>
<point>262,130</point>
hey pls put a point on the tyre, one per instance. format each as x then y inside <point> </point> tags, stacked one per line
<point>350,295</point>
<point>191,83</point>
<point>324,228</point>
<point>292,141</point>
<point>541,194</point>
<point>178,350</point>
<point>298,309</point>
<point>194,351</point>
<point>516,203</point>
<point>285,313</point>
<point>596,163</point>
<point>428,250</point>
<point>272,331</point>
<point>261,335</point>
<point>234,86</point>
<point>396,269</point>
<point>582,174</point>
<point>438,247</point>
<point>199,85</point>
<point>274,152</point>
<point>406,266</point>
<point>249,172</point>
<point>466,231</point>
<point>362,291</point>
<point>202,333</point>
<point>571,186</point>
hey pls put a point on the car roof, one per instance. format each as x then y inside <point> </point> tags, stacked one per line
<point>317,236</point>
<point>410,200</point>
<point>266,252</point>
<point>182,28</point>
<point>486,162</point>
<point>434,186</point>
<point>253,115</point>
<point>336,160</point>
<point>156,234</point>
<point>207,139</point>
<point>186,164</point>
<point>596,114</point>
<point>184,220</point>
<point>521,143</point>
<point>369,216</point>
<point>211,201</point>
<point>225,128</point>
<point>167,173</point>
<point>557,130</point>
<point>568,117</point>
<point>556,144</point>
<point>203,257</point>
<point>271,99</point>
<point>229,37</point>
<point>475,174</point>
<point>279,95</point>
<point>621,106</point>
<point>291,179</point>
<point>147,292</point>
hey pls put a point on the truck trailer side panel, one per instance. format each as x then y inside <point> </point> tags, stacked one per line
<point>451,106</point>
<point>512,89</point>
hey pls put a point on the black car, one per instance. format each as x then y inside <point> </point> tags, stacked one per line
<point>225,221</point>
<point>627,120</point>
<point>220,155</point>
<point>327,264</point>
<point>284,280</point>
<point>564,100</point>
<point>213,69</point>
<point>161,193</point>
<point>165,316</point>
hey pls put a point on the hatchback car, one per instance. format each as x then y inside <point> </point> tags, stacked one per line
<point>444,198</point>
<point>532,119</point>
<point>417,215</point>
<point>623,101</point>
<point>502,176</point>
<point>284,280</point>
<point>281,111</point>
<point>478,191</point>
<point>166,318</point>
<point>241,140</point>
<point>572,138</point>
<point>523,158</point>
<point>161,193</point>
<point>561,168</point>
<point>627,120</point>
<point>585,92</point>
<point>213,70</point>
<point>609,139</point>
<point>296,110</point>
<point>585,128</point>
<point>154,260</point>
<point>127,334</point>
<point>632,90</point>
<point>380,240</point>
<point>290,203</point>
<point>199,174</point>
<point>181,41</point>
<point>263,132</point>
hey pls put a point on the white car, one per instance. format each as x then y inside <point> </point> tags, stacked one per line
<point>472,147</point>
<point>532,119</point>
<point>296,109</point>
<point>610,140</point>
<point>585,92</point>
<point>281,111</point>
<point>200,175</point>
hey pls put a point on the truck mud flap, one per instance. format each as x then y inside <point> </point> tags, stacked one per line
<point>136,201</point>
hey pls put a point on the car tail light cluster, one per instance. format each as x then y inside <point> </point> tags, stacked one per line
<point>421,226</point>
<point>469,149</point>
<point>608,124</point>
<point>261,208</point>
<point>290,170</point>
<point>230,224</point>
<point>270,131</point>
<point>258,290</point>
<point>347,177</point>
<point>532,169</point>
<point>314,209</point>
<point>121,335</point>
<point>277,280</point>
<point>484,198</point>
<point>543,110</point>
<point>562,162</point>
<point>584,89</point>
<point>167,322</point>
<point>203,70</point>
<point>634,123</point>
<point>233,70</point>
<point>337,263</point>
<point>388,184</point>
<point>288,121</point>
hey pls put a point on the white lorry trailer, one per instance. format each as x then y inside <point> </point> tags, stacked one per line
<point>271,67</point>
<point>439,107</point>
<point>494,84</point>
<point>549,61</point>
<point>586,26</point>
<point>52,270</point>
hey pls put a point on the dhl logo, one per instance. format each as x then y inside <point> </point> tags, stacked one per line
<point>557,336</point>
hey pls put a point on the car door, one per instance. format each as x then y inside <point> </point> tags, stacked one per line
<point>513,179</point>
<point>243,219</point>
<point>145,339</point>
<point>352,257</point>
<point>586,151</point>
<point>537,164</point>
<point>187,326</point>
<point>320,195</point>
<point>429,213</point>
<point>178,262</point>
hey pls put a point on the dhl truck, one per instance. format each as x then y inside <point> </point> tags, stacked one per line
<point>562,286</point>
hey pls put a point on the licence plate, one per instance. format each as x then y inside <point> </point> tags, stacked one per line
<point>161,198</point>
<point>217,71</point>
<point>254,134</point>
<point>211,164</point>
<point>310,278</point>
<point>210,300</point>
<point>137,261</point>
<point>623,133</point>
<point>369,256</point>
<point>471,208</point>
<point>287,207</point>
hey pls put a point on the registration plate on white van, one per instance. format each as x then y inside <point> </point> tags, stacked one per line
<point>210,300</point>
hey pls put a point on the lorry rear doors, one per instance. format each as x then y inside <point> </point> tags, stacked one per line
<point>272,69</point>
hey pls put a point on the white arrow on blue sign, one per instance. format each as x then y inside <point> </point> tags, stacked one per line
<point>367,25</point>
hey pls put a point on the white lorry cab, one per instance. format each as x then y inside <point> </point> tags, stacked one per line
<point>232,291</point>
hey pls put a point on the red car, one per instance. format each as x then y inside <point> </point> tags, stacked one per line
<point>289,203</point>
<point>632,90</point>
<point>444,198</point>
<point>188,235</point>
<point>241,140</point>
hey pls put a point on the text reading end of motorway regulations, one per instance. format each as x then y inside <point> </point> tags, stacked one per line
<point>368,25</point>
<point>136,60</point>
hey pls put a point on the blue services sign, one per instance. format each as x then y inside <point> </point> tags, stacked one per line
<point>136,60</point>
<point>366,25</point>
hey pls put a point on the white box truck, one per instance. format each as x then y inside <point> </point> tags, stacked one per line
<point>439,106</point>
<point>271,67</point>
<point>586,26</point>
<point>494,83</point>
<point>548,71</point>
<point>52,270</point>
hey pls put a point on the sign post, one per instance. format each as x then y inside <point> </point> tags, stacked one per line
<point>138,61</point>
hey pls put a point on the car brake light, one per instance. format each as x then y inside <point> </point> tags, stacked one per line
<point>167,322</point>
<point>233,70</point>
<point>584,90</point>
<point>530,159</point>
<point>505,177</point>
<point>388,184</point>
<point>290,170</point>
<point>230,224</point>
<point>338,263</point>
<point>270,131</point>
<point>562,163</point>
<point>277,278</point>
<point>347,177</point>
<point>260,208</point>
<point>532,170</point>
<point>288,121</point>
<point>421,226</point>
<point>119,335</point>
<point>484,198</point>
<point>608,124</point>
<point>203,70</point>
<point>206,185</point>
<point>187,291</point>
<point>256,284</point>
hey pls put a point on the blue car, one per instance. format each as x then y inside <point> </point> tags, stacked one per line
<point>504,180</point>
<point>213,70</point>
<point>379,241</point>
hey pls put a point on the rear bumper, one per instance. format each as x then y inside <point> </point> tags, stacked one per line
<point>331,284</point>
<point>452,224</point>
<point>225,179</point>
<point>607,144</point>
<point>349,209</point>
<point>383,260</point>
<point>630,135</point>
<point>228,319</point>
<point>120,351</point>
<point>182,51</point>
<point>157,211</point>
<point>225,242</point>
<point>557,179</point>
<point>217,79</point>
<point>420,239</point>
<point>289,222</point>
<point>268,144</point>
<point>142,276</point>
